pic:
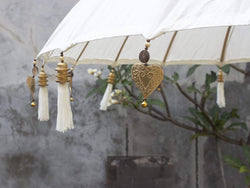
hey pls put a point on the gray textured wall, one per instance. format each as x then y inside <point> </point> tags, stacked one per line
<point>33,154</point>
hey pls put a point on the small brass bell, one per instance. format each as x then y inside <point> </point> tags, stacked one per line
<point>71,99</point>
<point>144,104</point>
<point>33,104</point>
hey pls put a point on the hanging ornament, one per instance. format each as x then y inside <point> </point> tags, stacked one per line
<point>43,102</point>
<point>70,80</point>
<point>105,100</point>
<point>31,83</point>
<point>64,113</point>
<point>220,90</point>
<point>146,77</point>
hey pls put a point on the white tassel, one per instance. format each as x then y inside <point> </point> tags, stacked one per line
<point>43,104</point>
<point>64,113</point>
<point>105,100</point>
<point>220,95</point>
<point>220,90</point>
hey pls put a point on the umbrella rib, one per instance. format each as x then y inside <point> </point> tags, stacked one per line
<point>69,47</point>
<point>123,44</point>
<point>169,47</point>
<point>223,51</point>
<point>80,55</point>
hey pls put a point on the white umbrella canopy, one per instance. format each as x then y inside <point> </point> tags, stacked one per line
<point>113,32</point>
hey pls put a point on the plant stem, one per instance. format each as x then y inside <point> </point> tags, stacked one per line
<point>165,100</point>
<point>221,163</point>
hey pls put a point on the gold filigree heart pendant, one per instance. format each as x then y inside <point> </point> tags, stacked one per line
<point>147,78</point>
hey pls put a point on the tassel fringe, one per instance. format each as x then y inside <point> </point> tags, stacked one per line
<point>220,95</point>
<point>105,100</point>
<point>43,104</point>
<point>64,113</point>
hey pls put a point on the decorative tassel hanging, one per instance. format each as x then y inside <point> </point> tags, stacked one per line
<point>70,80</point>
<point>105,100</point>
<point>31,83</point>
<point>43,102</point>
<point>64,113</point>
<point>146,77</point>
<point>220,90</point>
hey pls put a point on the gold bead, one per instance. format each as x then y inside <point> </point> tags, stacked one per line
<point>34,62</point>
<point>33,104</point>
<point>71,99</point>
<point>147,44</point>
<point>61,58</point>
<point>144,104</point>
<point>159,89</point>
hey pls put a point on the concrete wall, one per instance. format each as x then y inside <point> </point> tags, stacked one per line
<point>33,154</point>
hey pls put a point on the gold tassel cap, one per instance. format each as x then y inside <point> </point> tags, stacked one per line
<point>220,76</point>
<point>62,71</point>
<point>42,78</point>
<point>111,77</point>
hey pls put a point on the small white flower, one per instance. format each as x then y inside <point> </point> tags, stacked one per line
<point>90,71</point>
<point>113,94</point>
<point>114,101</point>
<point>118,91</point>
<point>94,70</point>
<point>99,73</point>
<point>95,74</point>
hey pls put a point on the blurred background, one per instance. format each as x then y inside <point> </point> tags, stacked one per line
<point>34,154</point>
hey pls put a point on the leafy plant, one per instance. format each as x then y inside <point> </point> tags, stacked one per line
<point>243,167</point>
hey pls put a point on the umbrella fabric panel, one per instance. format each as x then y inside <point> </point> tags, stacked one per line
<point>98,19</point>
<point>238,49</point>
<point>197,46</point>
<point>202,46</point>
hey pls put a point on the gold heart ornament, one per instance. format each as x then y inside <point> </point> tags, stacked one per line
<point>147,78</point>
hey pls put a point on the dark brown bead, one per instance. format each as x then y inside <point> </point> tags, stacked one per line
<point>144,56</point>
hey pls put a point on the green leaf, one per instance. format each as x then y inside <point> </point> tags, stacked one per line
<point>243,169</point>
<point>234,113</point>
<point>247,180</point>
<point>226,69</point>
<point>234,162</point>
<point>191,70</point>
<point>200,116</point>
<point>194,120</point>
<point>210,78</point>
<point>246,151</point>
<point>92,92</point>
<point>175,76</point>
<point>241,124</point>
<point>156,102</point>
<point>214,112</point>
<point>169,79</point>
<point>193,89</point>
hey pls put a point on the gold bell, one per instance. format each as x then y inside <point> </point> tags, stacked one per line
<point>71,99</point>
<point>111,77</point>
<point>33,104</point>
<point>144,104</point>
